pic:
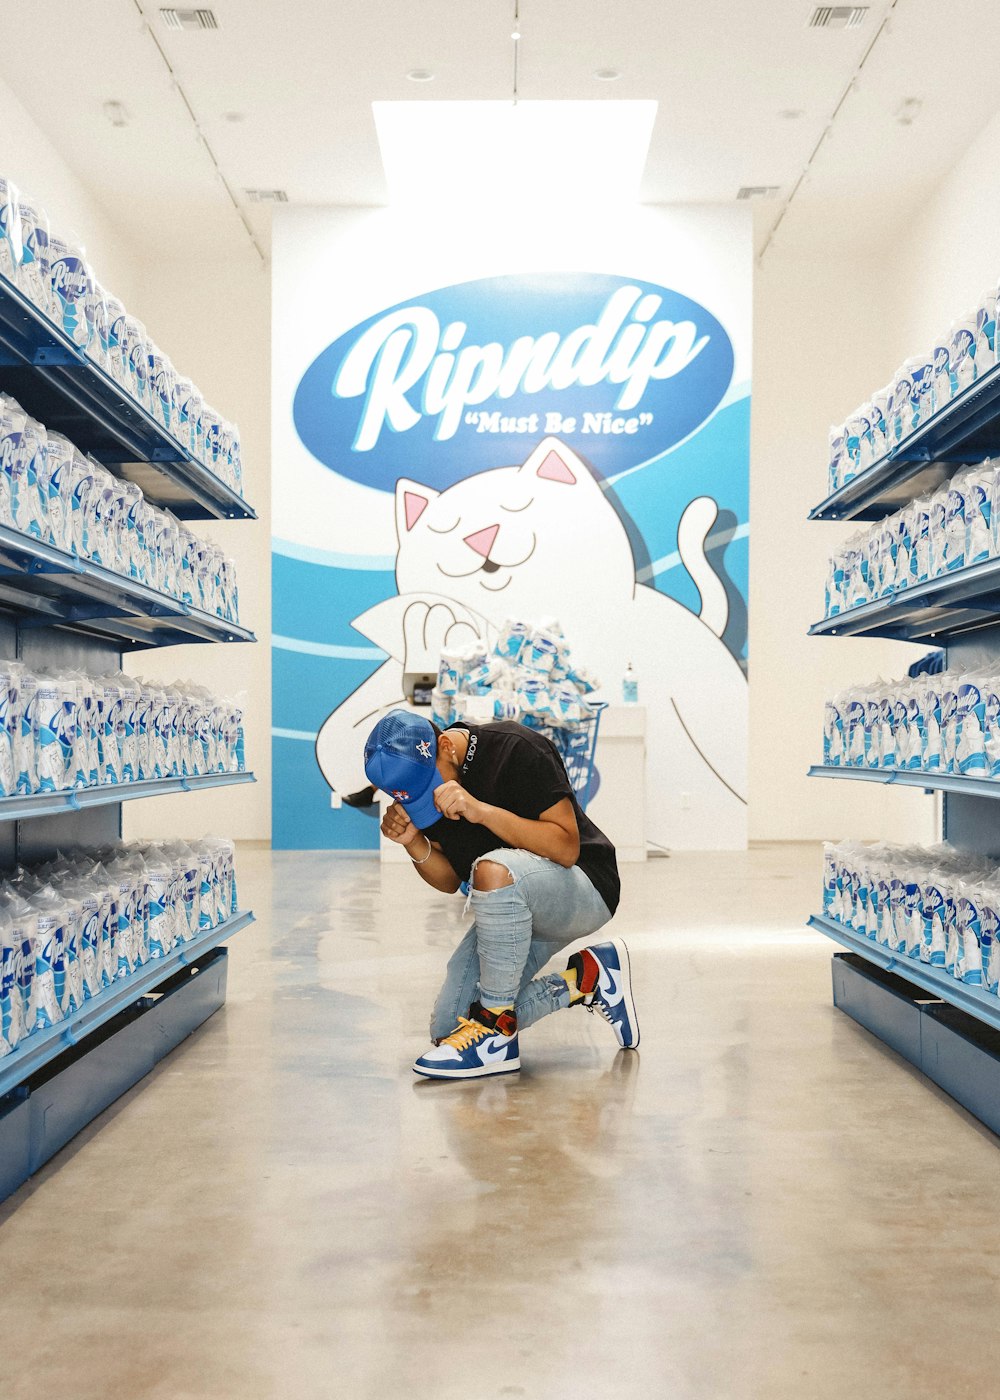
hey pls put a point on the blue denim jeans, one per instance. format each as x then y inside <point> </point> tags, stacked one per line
<point>517,929</point>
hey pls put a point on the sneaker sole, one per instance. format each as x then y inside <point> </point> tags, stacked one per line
<point>623,958</point>
<point>508,1067</point>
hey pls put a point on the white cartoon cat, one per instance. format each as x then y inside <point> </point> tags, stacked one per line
<point>543,538</point>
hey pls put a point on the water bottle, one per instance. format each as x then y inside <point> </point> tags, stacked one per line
<point>630,686</point>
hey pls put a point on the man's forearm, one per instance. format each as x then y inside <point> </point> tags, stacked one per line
<point>547,839</point>
<point>432,865</point>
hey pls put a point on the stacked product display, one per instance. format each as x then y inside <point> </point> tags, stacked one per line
<point>52,272</point>
<point>938,906</point>
<point>947,723</point>
<point>64,729</point>
<point>51,492</point>
<point>954,528</point>
<point>110,954</point>
<point>72,927</point>
<point>921,387</point>
<point>529,676</point>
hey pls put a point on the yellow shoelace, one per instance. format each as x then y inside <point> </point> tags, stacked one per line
<point>467,1034</point>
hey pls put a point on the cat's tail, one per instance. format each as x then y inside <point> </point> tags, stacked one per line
<point>695,523</point>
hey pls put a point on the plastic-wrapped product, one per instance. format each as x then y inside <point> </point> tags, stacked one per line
<point>449,673</point>
<point>161,386</point>
<point>10,994</point>
<point>24,749</point>
<point>904,546</point>
<point>922,378</point>
<point>902,402</point>
<point>47,726</point>
<point>879,424</point>
<point>991,723</point>
<point>930,700</point>
<point>866,444</point>
<point>442,708</point>
<point>949,724</point>
<point>977,485</point>
<point>988,899</point>
<point>887,756</point>
<point>920,536</point>
<point>986,325</point>
<point>851,719</point>
<point>159,877</point>
<point>938,906</point>
<point>34,275</point>
<point>29,506</point>
<point>834,732</point>
<point>125,887</point>
<point>117,365</point>
<point>533,696</point>
<point>970,725</point>
<point>963,352</point>
<point>55,486</point>
<point>11,248</point>
<point>10,725</point>
<point>72,283</point>
<point>834,586</point>
<point>969,955</point>
<point>51,980</point>
<point>128,694</point>
<point>855,429</point>
<point>855,586</point>
<point>109,728</point>
<point>955,522</point>
<point>513,636</point>
<point>939,536</point>
<point>873,726</point>
<point>941,356</point>
<point>907,734</point>
<point>837,457</point>
<point>915,728</point>
<point>12,424</point>
<point>98,313</point>
<point>136,359</point>
<point>82,490</point>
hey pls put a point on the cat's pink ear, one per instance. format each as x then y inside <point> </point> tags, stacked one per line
<point>412,500</point>
<point>553,461</point>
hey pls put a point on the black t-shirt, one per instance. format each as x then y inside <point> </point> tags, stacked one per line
<point>513,767</point>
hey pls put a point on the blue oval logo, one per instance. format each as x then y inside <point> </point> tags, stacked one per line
<point>469,377</point>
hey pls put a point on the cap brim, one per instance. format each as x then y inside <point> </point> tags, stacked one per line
<point>421,811</point>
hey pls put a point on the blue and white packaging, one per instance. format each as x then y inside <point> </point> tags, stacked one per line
<point>955,523</point>
<point>939,535</point>
<point>47,717</point>
<point>162,378</point>
<point>941,360</point>
<point>25,748</point>
<point>970,745</point>
<point>968,965</point>
<point>986,325</point>
<point>949,724</point>
<point>837,458</point>
<point>512,639</point>
<point>34,275</point>
<point>963,352</point>
<point>136,358</point>
<point>978,486</point>
<point>72,287</point>
<point>55,475</point>
<point>902,404</point>
<point>11,250</point>
<point>834,747</point>
<point>12,424</point>
<point>117,363</point>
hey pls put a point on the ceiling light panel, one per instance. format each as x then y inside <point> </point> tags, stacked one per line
<point>838,16</point>
<point>266,196</point>
<point>757,191</point>
<point>191,20</point>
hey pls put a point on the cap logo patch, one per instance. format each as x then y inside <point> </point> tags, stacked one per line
<point>400,795</point>
<point>424,749</point>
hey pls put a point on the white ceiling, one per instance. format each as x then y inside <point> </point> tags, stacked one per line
<point>302,75</point>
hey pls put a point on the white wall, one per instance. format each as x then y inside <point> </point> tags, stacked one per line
<point>28,158</point>
<point>819,349</point>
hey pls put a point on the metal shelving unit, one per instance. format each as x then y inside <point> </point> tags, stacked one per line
<point>60,611</point>
<point>57,384</point>
<point>945,1027</point>
<point>958,783</point>
<point>966,430</point>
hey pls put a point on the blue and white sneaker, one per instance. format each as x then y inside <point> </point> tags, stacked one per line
<point>483,1043</point>
<point>604,977</point>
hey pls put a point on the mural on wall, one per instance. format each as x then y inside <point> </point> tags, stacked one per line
<point>571,444</point>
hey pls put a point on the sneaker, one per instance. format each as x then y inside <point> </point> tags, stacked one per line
<point>484,1043</point>
<point>605,979</point>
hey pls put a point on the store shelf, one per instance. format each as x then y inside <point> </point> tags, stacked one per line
<point>966,430</point>
<point>49,588</point>
<point>959,783</point>
<point>66,391</point>
<point>942,607</point>
<point>974,1000</point>
<point>42,1046</point>
<point>51,804</point>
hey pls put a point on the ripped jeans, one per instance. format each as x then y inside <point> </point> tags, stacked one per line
<point>517,929</point>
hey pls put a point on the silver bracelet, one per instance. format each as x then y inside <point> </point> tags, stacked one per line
<point>430,851</point>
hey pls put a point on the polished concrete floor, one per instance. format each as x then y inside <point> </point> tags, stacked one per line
<point>761,1202</point>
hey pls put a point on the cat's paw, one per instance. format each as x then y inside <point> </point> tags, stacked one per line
<point>429,629</point>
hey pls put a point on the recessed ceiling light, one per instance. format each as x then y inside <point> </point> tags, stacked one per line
<point>420,75</point>
<point>607,75</point>
<point>234,117</point>
<point>266,196</point>
<point>757,191</point>
<point>791,114</point>
<point>838,16</point>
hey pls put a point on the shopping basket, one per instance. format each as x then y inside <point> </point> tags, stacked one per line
<point>577,748</point>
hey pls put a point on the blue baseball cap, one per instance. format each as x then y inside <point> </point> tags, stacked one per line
<point>401,759</point>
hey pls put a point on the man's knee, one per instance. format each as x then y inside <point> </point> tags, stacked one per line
<point>491,875</point>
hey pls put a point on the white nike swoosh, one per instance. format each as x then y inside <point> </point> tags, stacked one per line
<point>495,1049</point>
<point>610,987</point>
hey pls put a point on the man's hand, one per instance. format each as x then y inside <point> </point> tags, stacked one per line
<point>396,826</point>
<point>452,801</point>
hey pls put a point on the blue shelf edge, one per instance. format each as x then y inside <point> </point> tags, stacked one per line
<point>943,432</point>
<point>973,1000</point>
<point>34,343</point>
<point>913,777</point>
<point>959,601</point>
<point>42,1046</point>
<point>49,804</point>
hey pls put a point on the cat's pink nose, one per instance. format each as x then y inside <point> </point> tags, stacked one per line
<point>482,540</point>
